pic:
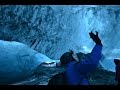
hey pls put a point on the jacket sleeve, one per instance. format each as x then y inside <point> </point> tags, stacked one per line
<point>91,62</point>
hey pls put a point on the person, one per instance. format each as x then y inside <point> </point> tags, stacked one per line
<point>117,68</point>
<point>77,71</point>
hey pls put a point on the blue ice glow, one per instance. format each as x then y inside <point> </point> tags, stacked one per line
<point>52,30</point>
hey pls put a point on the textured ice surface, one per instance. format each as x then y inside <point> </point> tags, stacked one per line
<point>18,61</point>
<point>54,29</point>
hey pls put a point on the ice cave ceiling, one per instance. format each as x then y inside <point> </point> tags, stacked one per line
<point>54,29</point>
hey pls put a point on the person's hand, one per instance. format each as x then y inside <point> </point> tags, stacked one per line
<point>95,37</point>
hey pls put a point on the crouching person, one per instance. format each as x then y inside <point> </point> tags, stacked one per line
<point>77,71</point>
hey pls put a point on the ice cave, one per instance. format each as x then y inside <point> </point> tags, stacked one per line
<point>31,34</point>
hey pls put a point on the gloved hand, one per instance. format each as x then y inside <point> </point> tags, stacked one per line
<point>95,38</point>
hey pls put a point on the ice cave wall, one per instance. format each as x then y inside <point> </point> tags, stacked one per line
<point>54,29</point>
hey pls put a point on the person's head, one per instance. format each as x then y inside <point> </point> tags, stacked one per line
<point>66,58</point>
<point>116,61</point>
<point>71,56</point>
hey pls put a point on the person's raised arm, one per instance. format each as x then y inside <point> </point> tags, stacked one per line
<point>89,64</point>
<point>95,55</point>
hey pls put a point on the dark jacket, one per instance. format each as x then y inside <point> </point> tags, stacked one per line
<point>76,73</point>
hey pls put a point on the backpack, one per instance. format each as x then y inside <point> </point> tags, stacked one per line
<point>58,79</point>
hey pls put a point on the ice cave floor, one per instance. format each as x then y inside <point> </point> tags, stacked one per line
<point>41,77</point>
